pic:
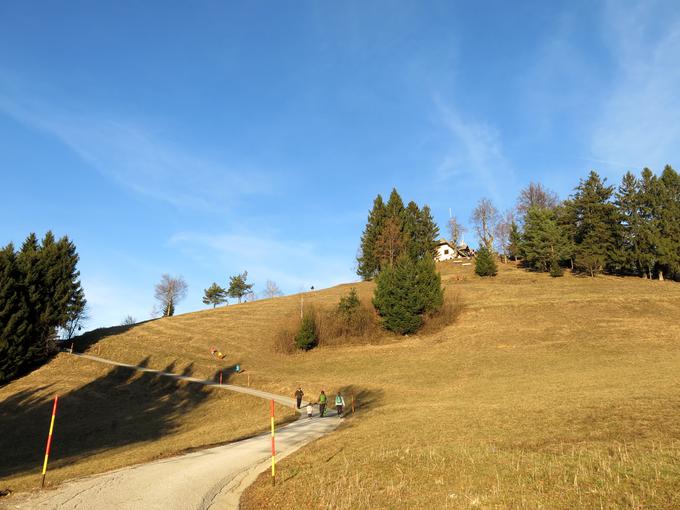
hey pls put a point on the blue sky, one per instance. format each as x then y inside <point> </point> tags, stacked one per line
<point>207,138</point>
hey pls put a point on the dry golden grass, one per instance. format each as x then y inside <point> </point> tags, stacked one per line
<point>110,417</point>
<point>545,393</point>
<point>548,393</point>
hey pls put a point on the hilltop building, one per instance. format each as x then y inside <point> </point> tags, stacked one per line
<point>447,251</point>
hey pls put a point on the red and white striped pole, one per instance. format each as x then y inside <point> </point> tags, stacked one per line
<point>273,446</point>
<point>49,439</point>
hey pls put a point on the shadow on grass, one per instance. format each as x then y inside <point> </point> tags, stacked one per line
<point>364,398</point>
<point>120,408</point>
<point>83,342</point>
<point>227,373</point>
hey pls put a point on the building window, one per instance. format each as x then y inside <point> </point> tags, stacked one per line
<point>446,252</point>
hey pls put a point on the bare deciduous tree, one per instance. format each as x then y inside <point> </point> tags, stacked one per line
<point>129,320</point>
<point>390,243</point>
<point>169,292</point>
<point>456,230</point>
<point>485,218</point>
<point>502,231</point>
<point>272,290</point>
<point>536,195</point>
<point>75,322</point>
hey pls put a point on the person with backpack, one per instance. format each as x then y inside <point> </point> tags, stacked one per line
<point>322,404</point>
<point>339,403</point>
<point>298,396</point>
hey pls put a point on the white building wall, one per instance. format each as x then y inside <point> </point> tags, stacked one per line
<point>445,252</point>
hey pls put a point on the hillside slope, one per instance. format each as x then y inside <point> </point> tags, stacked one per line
<point>545,393</point>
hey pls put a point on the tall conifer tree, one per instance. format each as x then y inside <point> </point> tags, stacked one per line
<point>515,245</point>
<point>629,206</point>
<point>406,291</point>
<point>413,230</point>
<point>428,233</point>
<point>596,221</point>
<point>648,203</point>
<point>544,243</point>
<point>668,217</point>
<point>367,261</point>
<point>40,293</point>
<point>14,317</point>
<point>395,206</point>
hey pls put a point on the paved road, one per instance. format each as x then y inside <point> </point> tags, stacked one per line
<point>211,478</point>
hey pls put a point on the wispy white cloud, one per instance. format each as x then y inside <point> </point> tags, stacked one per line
<point>136,156</point>
<point>638,124</point>
<point>293,265</point>
<point>475,152</point>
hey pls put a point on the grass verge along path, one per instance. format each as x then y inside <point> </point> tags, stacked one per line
<point>210,478</point>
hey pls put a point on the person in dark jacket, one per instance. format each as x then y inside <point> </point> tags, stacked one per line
<point>298,397</point>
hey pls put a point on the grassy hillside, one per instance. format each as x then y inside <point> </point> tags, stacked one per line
<point>110,417</point>
<point>548,393</point>
<point>553,393</point>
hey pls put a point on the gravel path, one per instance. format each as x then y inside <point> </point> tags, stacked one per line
<point>211,478</point>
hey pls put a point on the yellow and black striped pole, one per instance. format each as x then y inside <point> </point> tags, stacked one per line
<point>273,446</point>
<point>49,440</point>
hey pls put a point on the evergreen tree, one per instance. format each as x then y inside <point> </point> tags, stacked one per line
<point>565,217</point>
<point>39,294</point>
<point>53,291</point>
<point>668,217</point>
<point>543,241</point>
<point>306,337</point>
<point>14,317</point>
<point>429,285</point>
<point>515,245</point>
<point>555,269</point>
<point>238,286</point>
<point>628,203</point>
<point>649,234</point>
<point>393,229</point>
<point>349,304</point>
<point>597,224</point>
<point>393,239</point>
<point>412,230</point>
<point>485,265</point>
<point>67,300</point>
<point>391,243</point>
<point>395,206</point>
<point>406,291</point>
<point>428,234</point>
<point>420,232</point>
<point>367,262</point>
<point>214,295</point>
<point>28,260</point>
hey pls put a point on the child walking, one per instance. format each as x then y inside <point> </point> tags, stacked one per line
<point>310,409</point>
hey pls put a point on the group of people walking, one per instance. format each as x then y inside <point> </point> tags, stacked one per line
<point>322,402</point>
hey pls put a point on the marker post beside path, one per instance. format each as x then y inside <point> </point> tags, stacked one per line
<point>273,445</point>
<point>49,440</point>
